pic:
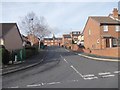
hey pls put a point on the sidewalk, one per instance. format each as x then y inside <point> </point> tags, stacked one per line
<point>30,62</point>
<point>100,58</point>
<point>96,57</point>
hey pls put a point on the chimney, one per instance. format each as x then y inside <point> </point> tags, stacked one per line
<point>115,13</point>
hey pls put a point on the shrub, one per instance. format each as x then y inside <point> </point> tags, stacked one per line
<point>31,50</point>
<point>5,56</point>
<point>0,56</point>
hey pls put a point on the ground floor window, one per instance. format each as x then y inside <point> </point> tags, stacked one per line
<point>118,41</point>
<point>114,42</point>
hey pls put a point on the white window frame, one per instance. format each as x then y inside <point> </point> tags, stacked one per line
<point>117,28</point>
<point>114,42</point>
<point>105,28</point>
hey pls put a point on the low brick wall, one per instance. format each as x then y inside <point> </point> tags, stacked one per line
<point>110,52</point>
<point>75,47</point>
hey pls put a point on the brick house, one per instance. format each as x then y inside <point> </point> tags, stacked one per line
<point>103,33</point>
<point>67,40</point>
<point>80,40</point>
<point>33,39</point>
<point>74,36</point>
<point>11,37</point>
<point>52,41</point>
<point>26,42</point>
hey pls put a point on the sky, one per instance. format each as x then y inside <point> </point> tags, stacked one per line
<point>62,17</point>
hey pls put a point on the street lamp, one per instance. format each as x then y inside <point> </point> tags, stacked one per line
<point>32,31</point>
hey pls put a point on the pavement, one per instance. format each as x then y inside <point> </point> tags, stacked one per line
<point>96,57</point>
<point>30,62</point>
<point>62,68</point>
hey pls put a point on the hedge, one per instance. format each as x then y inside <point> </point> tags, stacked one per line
<point>30,51</point>
<point>5,56</point>
<point>0,56</point>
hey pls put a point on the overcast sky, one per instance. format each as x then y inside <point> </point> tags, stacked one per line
<point>63,17</point>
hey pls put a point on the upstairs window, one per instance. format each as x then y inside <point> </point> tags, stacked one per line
<point>89,32</point>
<point>117,28</point>
<point>105,27</point>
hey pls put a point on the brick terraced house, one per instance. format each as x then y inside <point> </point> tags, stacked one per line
<point>66,40</point>
<point>102,34</point>
<point>52,41</point>
<point>75,35</point>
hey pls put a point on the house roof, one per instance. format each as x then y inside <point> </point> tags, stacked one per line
<point>66,36</point>
<point>6,27</point>
<point>105,20</point>
<point>48,38</point>
<point>24,38</point>
<point>52,38</point>
<point>59,38</point>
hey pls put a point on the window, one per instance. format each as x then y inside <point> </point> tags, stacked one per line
<point>117,28</point>
<point>118,41</point>
<point>114,42</point>
<point>105,28</point>
<point>89,32</point>
<point>1,41</point>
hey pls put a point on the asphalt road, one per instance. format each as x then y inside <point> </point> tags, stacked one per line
<point>65,69</point>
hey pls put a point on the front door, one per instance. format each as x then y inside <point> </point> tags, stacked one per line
<point>107,42</point>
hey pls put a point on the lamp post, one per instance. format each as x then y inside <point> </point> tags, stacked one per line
<point>32,31</point>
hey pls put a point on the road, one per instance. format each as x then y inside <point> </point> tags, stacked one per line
<point>65,69</point>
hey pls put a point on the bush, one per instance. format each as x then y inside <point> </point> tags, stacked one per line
<point>0,56</point>
<point>31,50</point>
<point>5,56</point>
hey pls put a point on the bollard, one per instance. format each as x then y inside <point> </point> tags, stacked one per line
<point>15,58</point>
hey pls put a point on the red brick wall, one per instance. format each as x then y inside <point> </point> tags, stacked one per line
<point>75,47</point>
<point>90,41</point>
<point>110,52</point>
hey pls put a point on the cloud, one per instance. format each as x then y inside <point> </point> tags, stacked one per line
<point>60,1</point>
<point>62,17</point>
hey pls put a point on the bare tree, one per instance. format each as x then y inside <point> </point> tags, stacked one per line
<point>35,25</point>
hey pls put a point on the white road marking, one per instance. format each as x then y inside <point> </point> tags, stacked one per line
<point>53,83</point>
<point>105,73</point>
<point>74,80</point>
<point>72,67</point>
<point>61,56</point>
<point>90,78</point>
<point>89,75</point>
<point>14,87</point>
<point>76,71</point>
<point>116,72</point>
<point>67,50</point>
<point>111,75</point>
<point>34,85</point>
<point>66,61</point>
